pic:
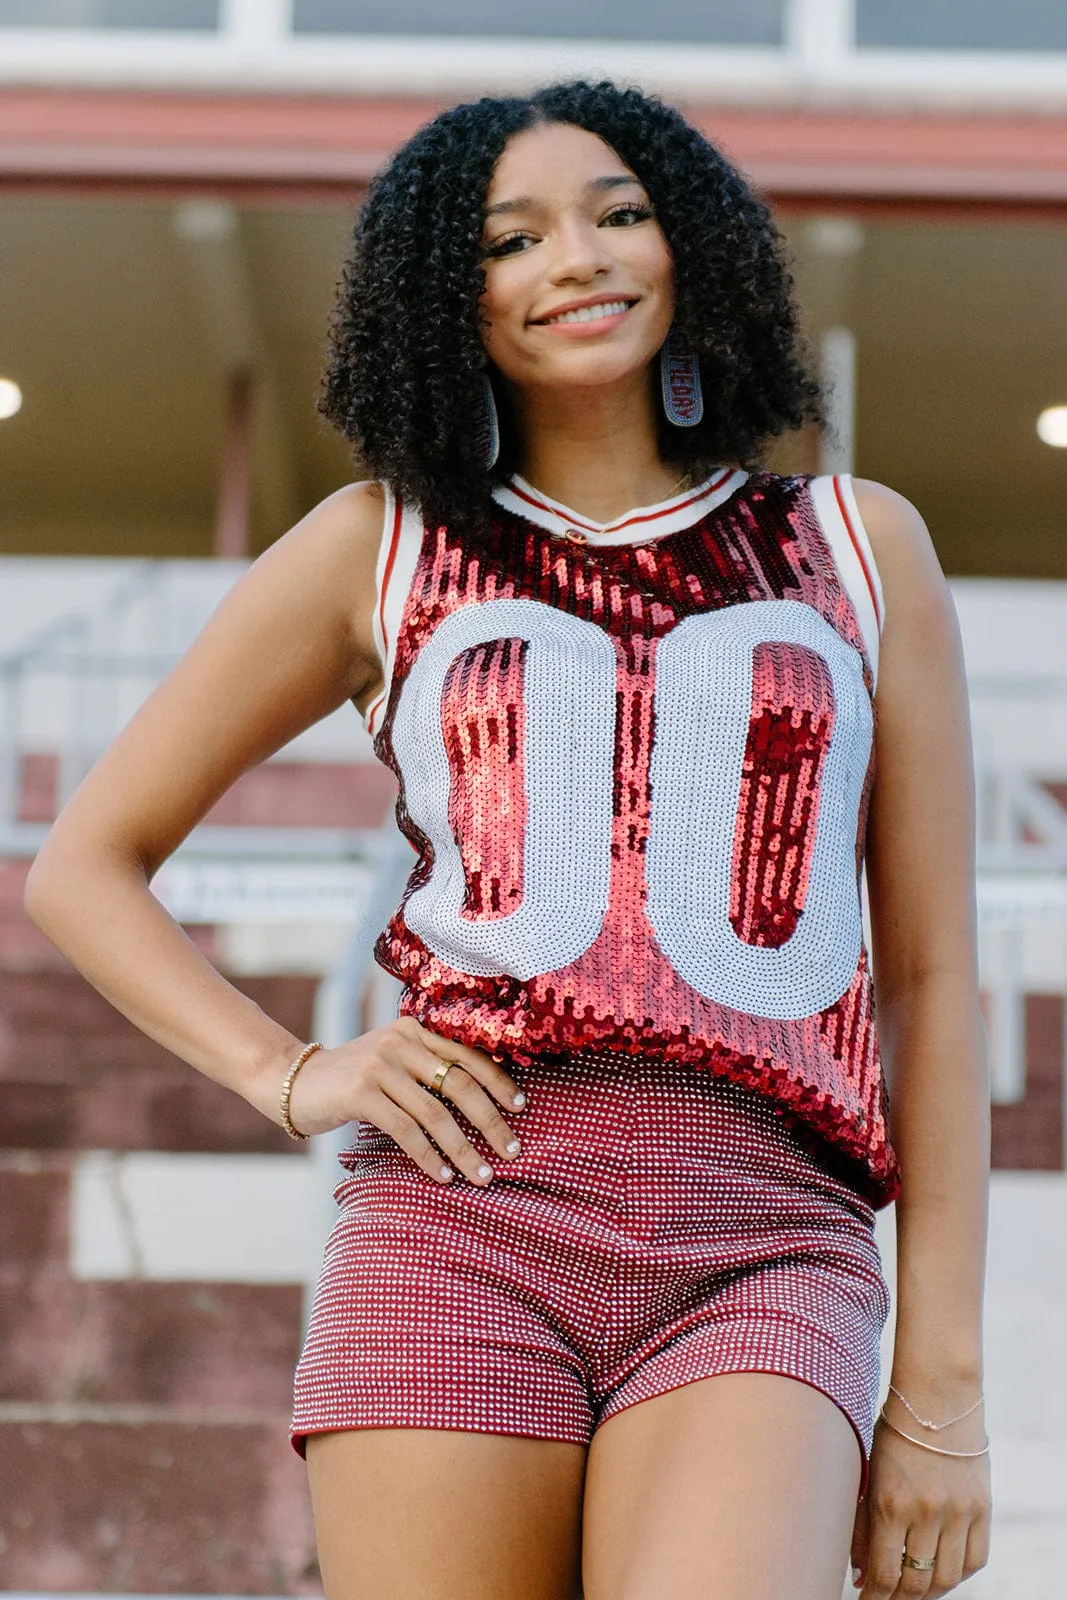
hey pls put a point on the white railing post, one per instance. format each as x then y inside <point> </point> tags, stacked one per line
<point>256,25</point>
<point>1007,1021</point>
<point>820,34</point>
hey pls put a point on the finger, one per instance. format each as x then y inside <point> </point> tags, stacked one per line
<point>467,1093</point>
<point>976,1554</point>
<point>888,1528</point>
<point>406,1081</point>
<point>921,1541</point>
<point>392,1118</point>
<point>480,1066</point>
<point>951,1546</point>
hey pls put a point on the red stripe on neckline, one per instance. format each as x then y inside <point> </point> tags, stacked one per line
<point>390,561</point>
<point>616,527</point>
<point>858,547</point>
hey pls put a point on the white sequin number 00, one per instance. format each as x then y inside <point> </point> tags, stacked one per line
<point>702,700</point>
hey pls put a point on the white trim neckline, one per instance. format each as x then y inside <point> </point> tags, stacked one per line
<point>640,525</point>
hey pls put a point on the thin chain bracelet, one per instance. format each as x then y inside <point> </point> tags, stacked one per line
<point>287,1089</point>
<point>937,1426</point>
<point>935,1448</point>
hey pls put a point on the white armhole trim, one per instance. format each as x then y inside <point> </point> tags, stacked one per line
<point>835,503</point>
<point>398,554</point>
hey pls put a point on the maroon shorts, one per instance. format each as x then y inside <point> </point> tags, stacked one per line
<point>660,1225</point>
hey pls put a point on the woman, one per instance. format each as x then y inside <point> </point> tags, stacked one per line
<point>624,1333</point>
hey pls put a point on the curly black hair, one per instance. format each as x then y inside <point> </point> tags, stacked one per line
<point>405,360</point>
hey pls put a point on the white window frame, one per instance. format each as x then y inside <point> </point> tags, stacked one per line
<point>255,49</point>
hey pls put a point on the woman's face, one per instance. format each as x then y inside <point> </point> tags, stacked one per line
<point>579,279</point>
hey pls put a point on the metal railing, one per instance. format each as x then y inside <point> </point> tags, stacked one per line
<point>64,648</point>
<point>81,677</point>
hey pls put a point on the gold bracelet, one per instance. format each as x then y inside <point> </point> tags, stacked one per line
<point>924,1446</point>
<point>287,1090</point>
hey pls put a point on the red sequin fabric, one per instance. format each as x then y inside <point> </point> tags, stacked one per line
<point>636,776</point>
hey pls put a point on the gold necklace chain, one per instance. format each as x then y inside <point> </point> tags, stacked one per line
<point>576,536</point>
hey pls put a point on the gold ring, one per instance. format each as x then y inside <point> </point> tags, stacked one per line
<point>915,1561</point>
<point>439,1076</point>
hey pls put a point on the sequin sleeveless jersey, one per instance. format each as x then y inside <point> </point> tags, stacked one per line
<point>636,777</point>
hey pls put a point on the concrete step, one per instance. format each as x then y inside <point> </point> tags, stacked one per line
<point>277,794</point>
<point>59,1029</point>
<point>34,1217</point>
<point>76,1074</point>
<point>231,1347</point>
<point>135,1111</point>
<point>140,1500</point>
<point>1028,1134</point>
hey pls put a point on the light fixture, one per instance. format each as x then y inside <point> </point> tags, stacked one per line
<point>10,398</point>
<point>1052,426</point>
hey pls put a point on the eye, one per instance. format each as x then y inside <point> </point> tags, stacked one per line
<point>626,215</point>
<point>508,245</point>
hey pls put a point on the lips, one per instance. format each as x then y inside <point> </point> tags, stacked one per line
<point>589,312</point>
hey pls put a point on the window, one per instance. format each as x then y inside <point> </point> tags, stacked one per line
<point>950,25</point>
<point>200,14</point>
<point>759,22</point>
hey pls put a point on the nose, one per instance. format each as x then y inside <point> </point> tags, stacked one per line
<point>580,252</point>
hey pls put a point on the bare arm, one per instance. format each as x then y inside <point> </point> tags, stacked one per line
<point>288,644</point>
<point>924,947</point>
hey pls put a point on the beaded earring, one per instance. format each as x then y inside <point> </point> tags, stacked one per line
<point>679,369</point>
<point>487,425</point>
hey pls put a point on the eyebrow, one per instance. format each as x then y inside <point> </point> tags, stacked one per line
<point>524,202</point>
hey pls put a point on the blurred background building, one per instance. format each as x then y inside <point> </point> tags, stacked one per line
<point>178,180</point>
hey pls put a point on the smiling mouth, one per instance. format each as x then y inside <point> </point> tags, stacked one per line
<point>608,308</point>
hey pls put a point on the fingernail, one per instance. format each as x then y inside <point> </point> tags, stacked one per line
<point>512,1147</point>
<point>857,1577</point>
<point>485,1172</point>
<point>446,1172</point>
<point>519,1100</point>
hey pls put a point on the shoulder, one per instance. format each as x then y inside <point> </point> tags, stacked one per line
<point>910,572</point>
<point>887,514</point>
<point>921,647</point>
<point>333,547</point>
<point>895,527</point>
<point>348,522</point>
<point>321,571</point>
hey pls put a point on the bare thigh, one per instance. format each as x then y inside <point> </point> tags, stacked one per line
<point>428,1513</point>
<point>737,1487</point>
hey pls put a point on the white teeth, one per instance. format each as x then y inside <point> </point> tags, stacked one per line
<point>610,308</point>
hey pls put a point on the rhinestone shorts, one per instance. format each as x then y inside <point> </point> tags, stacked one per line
<point>660,1225</point>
